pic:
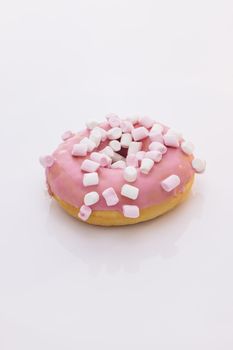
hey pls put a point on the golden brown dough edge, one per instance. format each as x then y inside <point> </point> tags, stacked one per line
<point>115,218</point>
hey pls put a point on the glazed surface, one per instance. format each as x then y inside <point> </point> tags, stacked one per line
<point>64,178</point>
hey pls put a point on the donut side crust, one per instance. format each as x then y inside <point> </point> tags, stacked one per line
<point>115,218</point>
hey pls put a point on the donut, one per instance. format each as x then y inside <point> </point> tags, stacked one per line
<point>121,171</point>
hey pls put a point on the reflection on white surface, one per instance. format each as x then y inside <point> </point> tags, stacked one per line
<point>123,247</point>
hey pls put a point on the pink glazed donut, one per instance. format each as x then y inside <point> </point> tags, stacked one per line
<point>122,171</point>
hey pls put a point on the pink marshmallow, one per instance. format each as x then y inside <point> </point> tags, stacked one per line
<point>110,197</point>
<point>132,160</point>
<point>84,212</point>
<point>126,126</point>
<point>139,133</point>
<point>67,135</point>
<point>147,122</point>
<point>46,161</point>
<point>79,149</point>
<point>131,211</point>
<point>89,166</point>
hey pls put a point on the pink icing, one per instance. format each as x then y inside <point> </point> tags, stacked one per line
<point>65,176</point>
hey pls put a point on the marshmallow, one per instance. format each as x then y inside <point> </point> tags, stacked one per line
<point>157,128</point>
<point>157,146</point>
<point>139,133</point>
<point>156,156</point>
<point>120,164</point>
<point>146,165</point>
<point>175,132</point>
<point>129,191</point>
<point>187,147</point>
<point>171,140</point>
<point>133,119</point>
<point>126,126</point>
<point>101,158</point>
<point>84,212</point>
<point>79,149</point>
<point>147,122</point>
<point>90,144</point>
<point>67,135</point>
<point>102,132</point>
<point>131,211</point>
<point>132,160</point>
<point>199,165</point>
<point>130,174</point>
<point>108,151</point>
<point>156,136</point>
<point>116,157</point>
<point>126,139</point>
<point>90,179</point>
<point>91,198</point>
<point>134,147</point>
<point>110,197</point>
<point>91,124</point>
<point>114,121</point>
<point>170,183</point>
<point>96,137</point>
<point>115,145</point>
<point>46,161</point>
<point>140,155</point>
<point>89,166</point>
<point>114,133</point>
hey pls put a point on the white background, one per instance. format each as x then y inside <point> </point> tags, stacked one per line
<point>165,284</point>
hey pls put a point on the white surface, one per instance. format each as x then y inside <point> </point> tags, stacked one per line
<point>166,284</point>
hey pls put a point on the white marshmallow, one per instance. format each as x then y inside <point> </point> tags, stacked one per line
<point>79,150</point>
<point>89,166</point>
<point>120,164</point>
<point>115,145</point>
<point>146,121</point>
<point>133,119</point>
<point>130,174</point>
<point>96,137</point>
<point>170,183</point>
<point>91,198</point>
<point>110,196</point>
<point>134,147</point>
<point>156,136</point>
<point>171,140</point>
<point>108,151</point>
<point>157,128</point>
<point>116,157</point>
<point>129,191</point>
<point>139,133</point>
<point>157,146</point>
<point>187,147</point>
<point>102,131</point>
<point>156,156</point>
<point>114,133</point>
<point>101,158</point>
<point>140,155</point>
<point>90,144</point>
<point>131,211</point>
<point>146,165</point>
<point>177,133</point>
<point>90,179</point>
<point>199,165</point>
<point>126,139</point>
<point>91,124</point>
